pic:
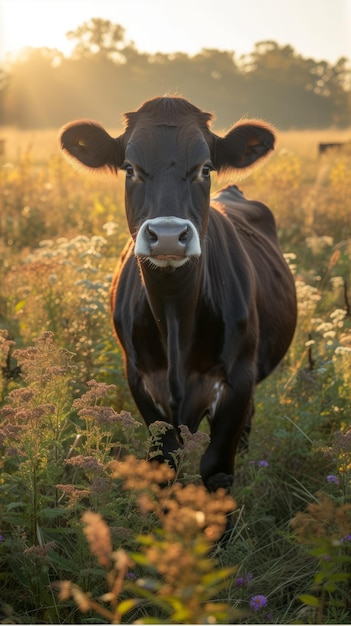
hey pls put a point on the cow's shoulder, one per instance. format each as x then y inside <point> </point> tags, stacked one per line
<point>248,216</point>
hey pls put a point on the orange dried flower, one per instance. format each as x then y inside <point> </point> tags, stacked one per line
<point>99,537</point>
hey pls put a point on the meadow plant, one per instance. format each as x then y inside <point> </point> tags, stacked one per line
<point>62,286</point>
<point>42,201</point>
<point>35,423</point>
<point>5,359</point>
<point>184,580</point>
<point>325,530</point>
<point>188,456</point>
<point>102,427</point>
<point>54,455</point>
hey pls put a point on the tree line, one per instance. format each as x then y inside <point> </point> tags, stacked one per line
<point>106,75</point>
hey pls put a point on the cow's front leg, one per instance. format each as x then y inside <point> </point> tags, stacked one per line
<point>227,426</point>
<point>166,439</point>
<point>165,445</point>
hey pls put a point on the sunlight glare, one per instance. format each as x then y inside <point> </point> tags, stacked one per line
<point>21,27</point>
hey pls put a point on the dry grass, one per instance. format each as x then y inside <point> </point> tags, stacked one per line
<point>305,142</point>
<point>41,144</point>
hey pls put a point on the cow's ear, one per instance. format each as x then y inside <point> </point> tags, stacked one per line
<point>246,143</point>
<point>88,143</point>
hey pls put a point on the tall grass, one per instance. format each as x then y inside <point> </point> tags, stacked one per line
<point>67,416</point>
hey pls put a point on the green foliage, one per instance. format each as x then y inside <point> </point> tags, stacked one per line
<point>324,530</point>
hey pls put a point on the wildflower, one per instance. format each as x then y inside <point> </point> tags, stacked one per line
<point>258,602</point>
<point>100,485</point>
<point>330,334</point>
<point>263,463</point>
<point>89,463</point>
<point>64,590</point>
<point>122,560</point>
<point>243,581</point>
<point>72,493</point>
<point>339,314</point>
<point>324,327</point>
<point>347,538</point>
<point>22,395</point>
<point>332,479</point>
<point>316,244</point>
<point>111,228</point>
<point>342,350</point>
<point>42,551</point>
<point>99,538</point>
<point>81,599</point>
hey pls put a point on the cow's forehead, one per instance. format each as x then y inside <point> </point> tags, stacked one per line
<point>167,110</point>
<point>185,145</point>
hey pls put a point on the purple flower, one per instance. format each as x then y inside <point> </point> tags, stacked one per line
<point>331,478</point>
<point>347,538</point>
<point>243,581</point>
<point>263,464</point>
<point>258,602</point>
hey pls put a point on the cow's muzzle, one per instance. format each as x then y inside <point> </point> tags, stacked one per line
<point>167,241</point>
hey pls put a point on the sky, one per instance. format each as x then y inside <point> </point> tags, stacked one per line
<point>320,29</point>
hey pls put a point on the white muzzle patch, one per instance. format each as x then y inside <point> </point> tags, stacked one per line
<point>167,241</point>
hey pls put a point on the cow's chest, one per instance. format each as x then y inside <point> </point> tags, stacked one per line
<point>202,394</point>
<point>180,364</point>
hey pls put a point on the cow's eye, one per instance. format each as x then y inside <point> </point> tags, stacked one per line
<point>129,170</point>
<point>206,170</point>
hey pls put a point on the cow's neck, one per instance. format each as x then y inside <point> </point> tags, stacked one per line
<point>173,301</point>
<point>173,297</point>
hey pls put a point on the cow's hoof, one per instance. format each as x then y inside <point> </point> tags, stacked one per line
<point>220,481</point>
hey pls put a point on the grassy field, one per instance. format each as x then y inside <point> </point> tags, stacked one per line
<point>69,513</point>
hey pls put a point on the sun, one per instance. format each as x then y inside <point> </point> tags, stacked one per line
<point>34,24</point>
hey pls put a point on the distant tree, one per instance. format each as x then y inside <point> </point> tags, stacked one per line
<point>332,82</point>
<point>293,91</point>
<point>99,37</point>
<point>106,75</point>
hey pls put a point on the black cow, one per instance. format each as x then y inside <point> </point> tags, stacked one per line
<point>203,302</point>
<point>337,146</point>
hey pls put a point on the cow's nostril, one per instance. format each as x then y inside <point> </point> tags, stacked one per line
<point>184,235</point>
<point>152,235</point>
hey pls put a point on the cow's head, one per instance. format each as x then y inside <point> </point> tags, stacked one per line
<point>167,152</point>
